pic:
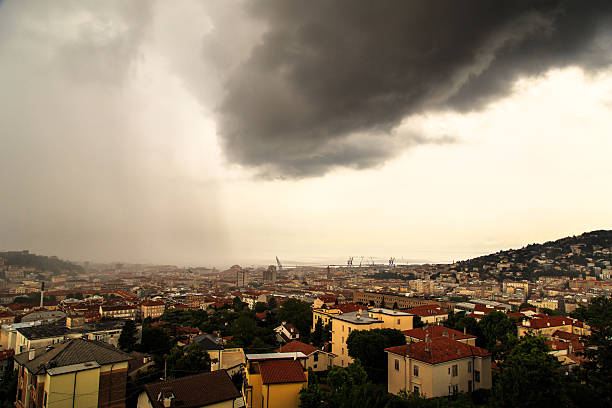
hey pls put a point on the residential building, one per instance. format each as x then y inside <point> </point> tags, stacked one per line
<point>378,318</point>
<point>75,373</point>
<point>429,314</point>
<point>316,359</point>
<point>213,390</point>
<point>274,380</point>
<point>39,336</point>
<point>286,332</point>
<point>438,367</point>
<point>432,332</point>
<point>7,317</point>
<point>118,312</point>
<point>388,300</point>
<point>152,309</point>
<point>545,325</point>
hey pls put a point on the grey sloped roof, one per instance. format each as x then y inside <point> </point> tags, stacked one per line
<point>75,351</point>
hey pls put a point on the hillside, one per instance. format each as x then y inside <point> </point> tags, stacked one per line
<point>40,262</point>
<point>588,254</point>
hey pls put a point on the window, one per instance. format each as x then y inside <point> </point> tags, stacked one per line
<point>349,329</point>
<point>416,389</point>
<point>315,366</point>
<point>396,365</point>
<point>416,370</point>
<point>455,370</point>
<point>476,375</point>
<point>455,389</point>
<point>470,386</point>
<point>469,366</point>
<point>398,321</point>
<point>45,399</point>
<point>316,357</point>
<point>342,350</point>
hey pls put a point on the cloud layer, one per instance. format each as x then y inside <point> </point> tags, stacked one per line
<point>329,82</point>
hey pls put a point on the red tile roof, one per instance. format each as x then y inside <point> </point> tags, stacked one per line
<point>437,331</point>
<point>549,321</point>
<point>349,307</point>
<point>438,350</point>
<point>426,310</point>
<point>295,346</point>
<point>565,335</point>
<point>281,371</point>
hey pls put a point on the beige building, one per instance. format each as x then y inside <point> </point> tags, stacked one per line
<point>438,367</point>
<point>343,324</point>
<point>316,359</point>
<point>75,373</point>
<point>546,326</point>
<point>152,309</point>
<point>118,312</point>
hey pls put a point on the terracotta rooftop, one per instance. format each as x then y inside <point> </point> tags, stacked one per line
<point>438,350</point>
<point>281,371</point>
<point>437,331</point>
<point>565,335</point>
<point>194,391</point>
<point>295,345</point>
<point>549,321</point>
<point>349,307</point>
<point>426,310</point>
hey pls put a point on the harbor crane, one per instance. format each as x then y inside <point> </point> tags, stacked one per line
<point>349,262</point>
<point>392,261</point>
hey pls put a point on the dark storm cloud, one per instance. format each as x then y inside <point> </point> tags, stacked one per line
<point>330,81</point>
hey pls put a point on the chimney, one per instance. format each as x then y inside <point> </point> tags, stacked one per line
<point>31,354</point>
<point>464,330</point>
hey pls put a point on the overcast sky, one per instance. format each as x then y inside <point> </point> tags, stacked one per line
<point>217,132</point>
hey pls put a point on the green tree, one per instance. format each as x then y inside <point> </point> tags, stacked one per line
<point>127,338</point>
<point>192,360</point>
<point>272,304</point>
<point>155,340</point>
<point>299,314</point>
<point>530,377</point>
<point>311,397</point>
<point>238,304</point>
<point>596,371</point>
<point>244,330</point>
<point>498,334</point>
<point>316,337</point>
<point>260,307</point>
<point>369,347</point>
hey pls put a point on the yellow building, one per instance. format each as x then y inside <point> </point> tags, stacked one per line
<point>274,380</point>
<point>76,373</point>
<point>378,318</point>
<point>438,367</point>
<point>325,315</point>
